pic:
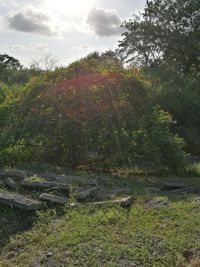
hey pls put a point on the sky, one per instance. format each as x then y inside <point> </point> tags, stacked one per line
<point>65,29</point>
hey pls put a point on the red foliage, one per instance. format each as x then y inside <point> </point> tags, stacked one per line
<point>85,81</point>
<point>76,99</point>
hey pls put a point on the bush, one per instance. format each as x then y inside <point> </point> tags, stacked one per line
<point>155,141</point>
<point>180,97</point>
<point>102,119</point>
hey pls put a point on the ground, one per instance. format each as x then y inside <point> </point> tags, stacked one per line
<point>160,229</point>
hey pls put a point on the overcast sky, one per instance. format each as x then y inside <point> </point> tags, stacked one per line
<point>66,29</point>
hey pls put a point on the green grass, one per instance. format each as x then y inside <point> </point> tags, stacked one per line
<point>87,236</point>
<point>141,236</point>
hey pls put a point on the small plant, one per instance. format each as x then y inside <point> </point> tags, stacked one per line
<point>36,178</point>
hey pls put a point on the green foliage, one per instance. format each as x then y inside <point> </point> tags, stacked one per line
<point>180,97</point>
<point>12,72</point>
<point>167,33</point>
<point>88,119</point>
<point>8,62</point>
<point>157,142</point>
<point>91,64</point>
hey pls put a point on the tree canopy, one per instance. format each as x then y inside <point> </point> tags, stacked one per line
<point>167,32</point>
<point>8,62</point>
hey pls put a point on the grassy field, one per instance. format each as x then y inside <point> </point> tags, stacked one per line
<point>157,230</point>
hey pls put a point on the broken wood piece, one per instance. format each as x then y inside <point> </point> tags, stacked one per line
<point>20,202</point>
<point>11,183</point>
<point>124,202</point>
<point>46,185</point>
<point>20,174</point>
<point>53,198</point>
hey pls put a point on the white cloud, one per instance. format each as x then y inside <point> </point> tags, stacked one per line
<point>37,21</point>
<point>42,20</point>
<point>31,20</point>
<point>104,22</point>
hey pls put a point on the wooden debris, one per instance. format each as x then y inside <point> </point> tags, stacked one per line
<point>173,186</point>
<point>85,193</point>
<point>11,183</point>
<point>124,202</point>
<point>153,190</point>
<point>20,202</point>
<point>20,174</point>
<point>46,185</point>
<point>53,198</point>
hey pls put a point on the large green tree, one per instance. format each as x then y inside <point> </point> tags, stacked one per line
<point>167,32</point>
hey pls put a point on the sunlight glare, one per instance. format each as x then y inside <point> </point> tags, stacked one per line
<point>70,6</point>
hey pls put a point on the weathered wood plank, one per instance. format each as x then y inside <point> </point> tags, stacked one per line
<point>124,202</point>
<point>20,174</point>
<point>53,198</point>
<point>46,185</point>
<point>20,202</point>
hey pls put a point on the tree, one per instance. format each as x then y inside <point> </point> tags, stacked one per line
<point>139,45</point>
<point>167,32</point>
<point>47,63</point>
<point>11,70</point>
<point>8,62</point>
